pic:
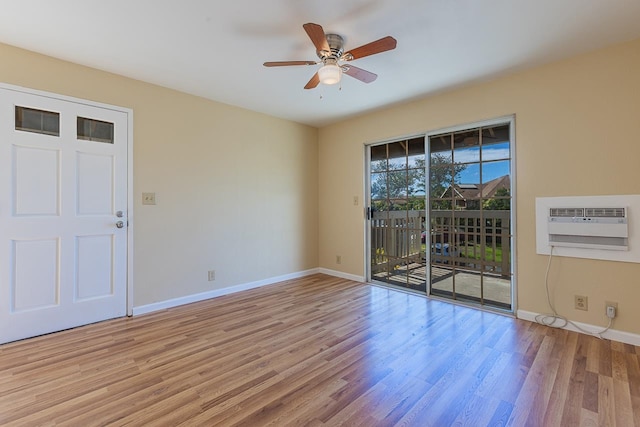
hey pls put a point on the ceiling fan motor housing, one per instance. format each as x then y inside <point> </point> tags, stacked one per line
<point>336,48</point>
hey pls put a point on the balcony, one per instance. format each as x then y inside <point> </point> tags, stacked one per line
<point>468,253</point>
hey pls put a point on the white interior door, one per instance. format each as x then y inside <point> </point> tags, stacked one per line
<point>63,192</point>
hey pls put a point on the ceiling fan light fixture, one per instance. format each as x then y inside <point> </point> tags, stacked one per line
<point>330,73</point>
<point>330,51</point>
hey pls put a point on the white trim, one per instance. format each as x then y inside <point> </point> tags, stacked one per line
<point>466,126</point>
<point>611,334</point>
<point>130,205</point>
<point>162,305</point>
<point>341,275</point>
<point>60,97</point>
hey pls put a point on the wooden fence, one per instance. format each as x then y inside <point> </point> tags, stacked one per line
<point>470,239</point>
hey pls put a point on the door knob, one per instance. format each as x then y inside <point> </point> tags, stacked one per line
<point>120,224</point>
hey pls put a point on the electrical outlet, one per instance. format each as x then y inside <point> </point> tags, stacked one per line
<point>611,309</point>
<point>355,200</point>
<point>212,275</point>
<point>581,302</point>
<point>338,259</point>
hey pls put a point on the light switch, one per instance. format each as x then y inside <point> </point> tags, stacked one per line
<point>148,198</point>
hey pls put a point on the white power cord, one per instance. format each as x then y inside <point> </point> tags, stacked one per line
<point>551,318</point>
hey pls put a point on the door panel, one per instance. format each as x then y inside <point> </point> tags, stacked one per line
<point>396,192</point>
<point>95,267</point>
<point>37,181</point>
<point>470,216</point>
<point>35,282</point>
<point>62,181</point>
<point>95,192</point>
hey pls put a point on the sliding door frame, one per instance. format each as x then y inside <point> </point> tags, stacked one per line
<point>511,120</point>
<point>368,212</point>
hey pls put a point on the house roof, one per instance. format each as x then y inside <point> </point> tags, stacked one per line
<point>216,49</point>
<point>476,191</point>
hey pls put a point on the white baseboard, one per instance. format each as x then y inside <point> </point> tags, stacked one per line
<point>611,334</point>
<point>162,305</point>
<point>341,275</point>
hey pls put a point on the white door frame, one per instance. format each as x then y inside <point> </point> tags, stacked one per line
<point>129,113</point>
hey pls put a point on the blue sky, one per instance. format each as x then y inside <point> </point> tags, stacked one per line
<point>491,169</point>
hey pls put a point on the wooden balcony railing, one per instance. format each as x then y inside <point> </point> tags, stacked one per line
<point>468,239</point>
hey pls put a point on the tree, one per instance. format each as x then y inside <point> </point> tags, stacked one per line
<point>394,187</point>
<point>443,174</point>
<point>499,204</point>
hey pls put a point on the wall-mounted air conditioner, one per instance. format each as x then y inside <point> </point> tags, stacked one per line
<point>589,227</point>
<point>596,227</point>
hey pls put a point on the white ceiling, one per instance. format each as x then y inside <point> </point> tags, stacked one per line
<point>215,49</point>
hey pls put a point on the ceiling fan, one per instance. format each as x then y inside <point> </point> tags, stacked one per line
<point>330,50</point>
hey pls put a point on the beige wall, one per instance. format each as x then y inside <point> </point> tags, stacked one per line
<point>577,133</point>
<point>239,191</point>
<point>236,191</point>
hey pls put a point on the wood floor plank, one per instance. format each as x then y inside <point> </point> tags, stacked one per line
<point>570,383</point>
<point>319,351</point>
<point>606,404</point>
<point>590,392</point>
<point>593,356</point>
<point>588,418</point>
<point>635,403</point>
<point>622,399</point>
<point>536,390</point>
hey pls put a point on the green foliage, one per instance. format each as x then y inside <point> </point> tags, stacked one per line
<point>443,174</point>
<point>393,187</point>
<point>474,251</point>
<point>498,204</point>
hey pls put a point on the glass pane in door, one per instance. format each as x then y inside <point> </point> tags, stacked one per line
<point>470,216</point>
<point>397,187</point>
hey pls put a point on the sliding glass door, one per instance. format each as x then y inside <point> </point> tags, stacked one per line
<point>470,199</point>
<point>440,217</point>
<point>397,199</point>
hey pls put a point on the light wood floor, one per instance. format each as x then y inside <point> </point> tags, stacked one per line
<point>319,351</point>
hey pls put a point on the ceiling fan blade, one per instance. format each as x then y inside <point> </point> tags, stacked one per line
<point>315,80</point>
<point>286,63</point>
<point>378,46</point>
<point>358,73</point>
<point>317,36</point>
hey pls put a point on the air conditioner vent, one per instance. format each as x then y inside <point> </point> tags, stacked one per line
<point>588,212</point>
<point>566,212</point>
<point>589,228</point>
<point>605,212</point>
